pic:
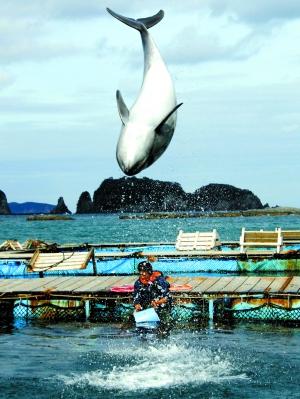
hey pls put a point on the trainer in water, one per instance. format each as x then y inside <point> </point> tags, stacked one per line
<point>153,290</point>
<point>148,127</point>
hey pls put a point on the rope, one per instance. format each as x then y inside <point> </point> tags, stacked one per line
<point>265,305</point>
<point>48,305</point>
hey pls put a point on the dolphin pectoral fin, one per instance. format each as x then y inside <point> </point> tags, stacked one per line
<point>122,108</point>
<point>140,23</point>
<point>159,127</point>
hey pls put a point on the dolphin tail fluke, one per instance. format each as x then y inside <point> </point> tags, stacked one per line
<point>151,21</point>
<point>140,23</point>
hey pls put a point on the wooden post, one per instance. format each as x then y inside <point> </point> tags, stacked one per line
<point>94,262</point>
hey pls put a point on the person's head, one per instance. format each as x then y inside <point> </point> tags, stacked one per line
<point>145,270</point>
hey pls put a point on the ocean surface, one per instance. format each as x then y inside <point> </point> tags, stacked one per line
<point>93,360</point>
<point>111,229</point>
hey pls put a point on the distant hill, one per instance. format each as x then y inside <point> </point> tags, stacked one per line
<point>29,207</point>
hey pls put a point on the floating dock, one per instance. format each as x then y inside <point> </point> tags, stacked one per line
<point>252,253</point>
<point>101,286</point>
<point>77,282</point>
<point>195,299</point>
<point>108,261</point>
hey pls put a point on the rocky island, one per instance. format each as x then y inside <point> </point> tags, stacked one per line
<point>131,194</point>
<point>161,199</point>
<point>60,208</point>
<point>4,208</point>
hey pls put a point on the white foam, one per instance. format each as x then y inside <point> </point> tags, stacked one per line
<point>160,366</point>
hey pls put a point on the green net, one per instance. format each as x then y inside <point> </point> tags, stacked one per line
<point>184,311</point>
<point>267,312</point>
<point>116,310</point>
<point>49,310</point>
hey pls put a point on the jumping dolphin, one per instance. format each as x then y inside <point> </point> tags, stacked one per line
<point>148,127</point>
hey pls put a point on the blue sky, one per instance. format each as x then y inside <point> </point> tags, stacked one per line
<point>235,66</point>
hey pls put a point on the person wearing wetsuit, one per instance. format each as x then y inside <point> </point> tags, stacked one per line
<point>153,290</point>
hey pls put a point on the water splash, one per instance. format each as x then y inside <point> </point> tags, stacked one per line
<point>160,366</point>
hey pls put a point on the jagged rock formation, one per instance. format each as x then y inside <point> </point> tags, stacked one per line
<point>60,207</point>
<point>131,194</point>
<point>223,197</point>
<point>85,203</point>
<point>4,208</point>
<point>137,195</point>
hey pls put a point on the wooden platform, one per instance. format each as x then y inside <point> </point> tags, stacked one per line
<point>41,262</point>
<point>101,286</point>
<point>215,254</point>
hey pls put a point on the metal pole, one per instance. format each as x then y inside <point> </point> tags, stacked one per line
<point>211,309</point>
<point>87,309</point>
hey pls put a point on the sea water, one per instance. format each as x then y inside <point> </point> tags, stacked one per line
<point>93,360</point>
<point>111,229</point>
<point>103,361</point>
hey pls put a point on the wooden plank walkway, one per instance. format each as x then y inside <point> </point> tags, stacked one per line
<point>101,285</point>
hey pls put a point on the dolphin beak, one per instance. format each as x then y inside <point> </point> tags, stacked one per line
<point>131,169</point>
<point>130,172</point>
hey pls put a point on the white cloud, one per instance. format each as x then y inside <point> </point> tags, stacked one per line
<point>235,67</point>
<point>29,105</point>
<point>209,48</point>
<point>6,79</point>
<point>254,11</point>
<point>29,40</point>
<point>64,9</point>
<point>24,50</point>
<point>257,11</point>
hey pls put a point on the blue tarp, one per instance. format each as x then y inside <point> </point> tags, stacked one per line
<point>128,265</point>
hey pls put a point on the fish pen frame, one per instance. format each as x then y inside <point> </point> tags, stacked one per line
<point>186,310</point>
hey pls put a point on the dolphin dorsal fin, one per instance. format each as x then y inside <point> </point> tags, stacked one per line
<point>168,116</point>
<point>122,108</point>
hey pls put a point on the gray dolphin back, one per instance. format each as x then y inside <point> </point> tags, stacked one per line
<point>140,23</point>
